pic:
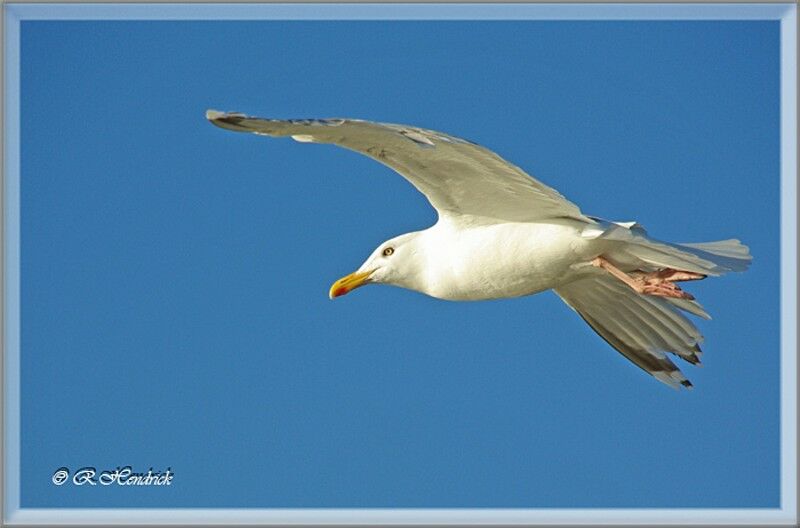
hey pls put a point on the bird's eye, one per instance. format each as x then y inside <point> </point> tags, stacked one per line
<point>388,251</point>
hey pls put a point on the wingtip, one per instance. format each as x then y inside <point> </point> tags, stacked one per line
<point>674,379</point>
<point>228,120</point>
<point>212,115</point>
<point>215,115</point>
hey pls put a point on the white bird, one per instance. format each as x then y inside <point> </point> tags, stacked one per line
<point>500,233</point>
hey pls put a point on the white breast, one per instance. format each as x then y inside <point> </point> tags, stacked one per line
<point>490,261</point>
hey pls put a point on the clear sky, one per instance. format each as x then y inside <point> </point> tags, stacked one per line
<point>175,275</point>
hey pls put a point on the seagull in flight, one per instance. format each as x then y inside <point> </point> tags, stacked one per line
<point>501,233</point>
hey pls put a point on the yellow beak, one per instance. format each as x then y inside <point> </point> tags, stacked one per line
<point>349,283</point>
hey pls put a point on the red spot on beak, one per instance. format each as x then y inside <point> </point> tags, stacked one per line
<point>341,290</point>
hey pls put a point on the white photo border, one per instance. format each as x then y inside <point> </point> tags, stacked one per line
<point>14,14</point>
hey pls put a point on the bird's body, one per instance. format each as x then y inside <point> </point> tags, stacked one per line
<point>463,262</point>
<point>502,234</point>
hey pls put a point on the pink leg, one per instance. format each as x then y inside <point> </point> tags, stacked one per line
<point>671,275</point>
<point>659,283</point>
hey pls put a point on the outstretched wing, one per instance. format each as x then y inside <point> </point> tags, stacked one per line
<point>642,328</point>
<point>458,177</point>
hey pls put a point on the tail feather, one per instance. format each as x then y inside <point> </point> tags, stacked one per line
<point>730,255</point>
<point>731,248</point>
<point>636,247</point>
<point>654,255</point>
<point>696,258</point>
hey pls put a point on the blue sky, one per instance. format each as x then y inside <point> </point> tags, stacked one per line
<point>175,276</point>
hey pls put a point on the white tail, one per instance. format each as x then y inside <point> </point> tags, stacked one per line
<point>638,250</point>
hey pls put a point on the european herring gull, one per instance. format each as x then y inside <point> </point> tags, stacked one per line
<point>501,233</point>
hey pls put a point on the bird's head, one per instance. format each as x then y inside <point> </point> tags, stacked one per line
<point>395,261</point>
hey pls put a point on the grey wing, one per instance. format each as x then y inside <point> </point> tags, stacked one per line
<point>642,328</point>
<point>457,176</point>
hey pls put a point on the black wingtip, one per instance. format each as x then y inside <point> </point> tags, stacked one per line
<point>694,359</point>
<point>228,120</point>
